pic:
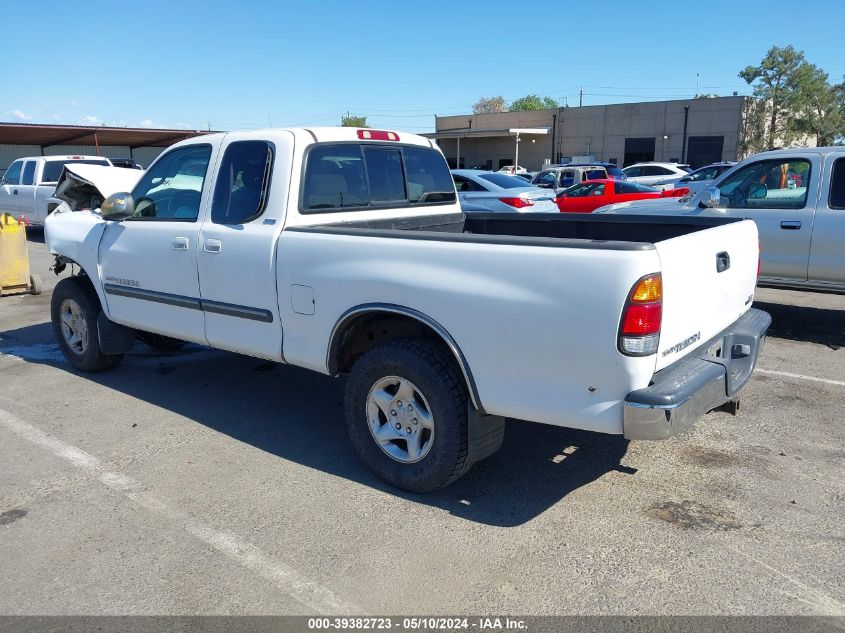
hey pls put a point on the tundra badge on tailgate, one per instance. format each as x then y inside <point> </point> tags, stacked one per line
<point>677,347</point>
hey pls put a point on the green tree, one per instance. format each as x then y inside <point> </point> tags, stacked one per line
<point>350,120</point>
<point>533,102</point>
<point>775,78</point>
<point>817,106</point>
<point>489,105</point>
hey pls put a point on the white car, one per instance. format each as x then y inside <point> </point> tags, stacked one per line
<point>510,169</point>
<point>494,191</point>
<point>653,173</point>
<point>82,186</point>
<point>29,182</point>
<point>345,251</point>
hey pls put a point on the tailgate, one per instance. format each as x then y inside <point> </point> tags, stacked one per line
<point>708,282</point>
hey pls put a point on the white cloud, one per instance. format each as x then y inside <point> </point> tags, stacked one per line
<point>90,120</point>
<point>20,115</point>
<point>146,123</point>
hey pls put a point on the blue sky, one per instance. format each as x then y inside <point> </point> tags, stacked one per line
<point>233,65</point>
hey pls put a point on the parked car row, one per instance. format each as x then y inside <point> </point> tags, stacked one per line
<point>589,196</point>
<point>485,191</point>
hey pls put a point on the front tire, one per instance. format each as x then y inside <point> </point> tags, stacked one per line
<point>74,308</point>
<point>406,413</point>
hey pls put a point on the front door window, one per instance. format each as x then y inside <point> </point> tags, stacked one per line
<point>172,188</point>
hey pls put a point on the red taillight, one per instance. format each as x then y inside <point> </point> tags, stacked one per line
<point>377,135</point>
<point>642,319</point>
<point>518,203</point>
<point>639,328</point>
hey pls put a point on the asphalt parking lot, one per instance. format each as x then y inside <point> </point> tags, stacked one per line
<point>204,482</point>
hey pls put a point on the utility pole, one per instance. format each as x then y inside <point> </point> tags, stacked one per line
<point>581,97</point>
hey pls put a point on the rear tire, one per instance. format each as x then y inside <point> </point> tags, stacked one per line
<point>414,384</point>
<point>74,308</point>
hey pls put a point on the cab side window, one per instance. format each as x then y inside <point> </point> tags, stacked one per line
<point>768,184</point>
<point>172,188</point>
<point>28,173</point>
<point>13,173</point>
<point>243,182</point>
<point>837,185</point>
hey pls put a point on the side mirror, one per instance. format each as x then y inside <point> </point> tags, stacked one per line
<point>711,198</point>
<point>117,207</point>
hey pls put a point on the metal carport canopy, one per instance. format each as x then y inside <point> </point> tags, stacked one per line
<point>50,135</point>
<point>470,133</point>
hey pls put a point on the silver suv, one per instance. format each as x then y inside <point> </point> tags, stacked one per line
<point>564,176</point>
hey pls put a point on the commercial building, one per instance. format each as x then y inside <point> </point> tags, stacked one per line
<point>34,139</point>
<point>694,131</point>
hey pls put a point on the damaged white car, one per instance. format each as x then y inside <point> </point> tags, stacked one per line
<point>84,187</point>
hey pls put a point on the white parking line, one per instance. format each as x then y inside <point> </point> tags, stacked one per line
<point>786,374</point>
<point>302,589</point>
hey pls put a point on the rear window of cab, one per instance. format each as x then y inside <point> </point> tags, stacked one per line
<point>350,176</point>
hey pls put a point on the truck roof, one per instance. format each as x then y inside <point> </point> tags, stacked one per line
<point>63,157</point>
<point>333,134</point>
<point>836,149</point>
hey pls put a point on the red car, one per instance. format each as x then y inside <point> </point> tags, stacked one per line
<point>592,194</point>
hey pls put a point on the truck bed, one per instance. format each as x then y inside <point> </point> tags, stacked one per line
<point>556,230</point>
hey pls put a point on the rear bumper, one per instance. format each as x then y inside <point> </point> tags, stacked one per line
<point>705,379</point>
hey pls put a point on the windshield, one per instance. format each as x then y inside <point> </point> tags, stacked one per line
<point>587,189</point>
<point>53,168</point>
<point>504,181</point>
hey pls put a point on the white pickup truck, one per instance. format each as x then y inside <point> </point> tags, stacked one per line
<point>345,251</point>
<point>28,184</point>
<point>796,197</point>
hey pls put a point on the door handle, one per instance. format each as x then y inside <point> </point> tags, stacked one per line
<point>179,243</point>
<point>790,225</point>
<point>212,246</point>
<point>723,262</point>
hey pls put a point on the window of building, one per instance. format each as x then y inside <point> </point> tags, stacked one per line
<point>243,182</point>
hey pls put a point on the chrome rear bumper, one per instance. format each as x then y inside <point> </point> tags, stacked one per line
<point>703,380</point>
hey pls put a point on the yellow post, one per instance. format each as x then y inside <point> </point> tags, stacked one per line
<point>14,259</point>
